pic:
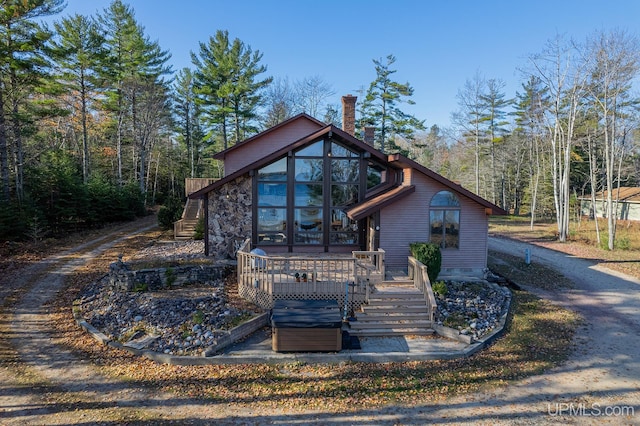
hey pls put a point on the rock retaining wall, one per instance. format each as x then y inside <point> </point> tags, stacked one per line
<point>122,278</point>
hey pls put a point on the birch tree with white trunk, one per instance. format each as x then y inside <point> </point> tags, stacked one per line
<point>562,71</point>
<point>614,61</point>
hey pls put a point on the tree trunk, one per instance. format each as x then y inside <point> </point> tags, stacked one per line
<point>85,136</point>
<point>4,154</point>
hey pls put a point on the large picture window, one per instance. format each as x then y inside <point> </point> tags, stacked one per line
<point>301,197</point>
<point>444,220</point>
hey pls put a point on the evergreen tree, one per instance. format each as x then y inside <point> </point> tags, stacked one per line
<point>227,87</point>
<point>495,119</point>
<point>530,107</point>
<point>22,66</point>
<point>134,64</point>
<point>187,116</point>
<point>120,26</point>
<point>381,107</point>
<point>79,50</point>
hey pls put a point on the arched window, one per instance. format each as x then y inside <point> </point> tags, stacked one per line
<point>444,220</point>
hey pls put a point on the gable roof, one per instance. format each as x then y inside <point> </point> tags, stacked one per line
<point>359,210</point>
<point>405,162</point>
<point>302,116</point>
<point>329,131</point>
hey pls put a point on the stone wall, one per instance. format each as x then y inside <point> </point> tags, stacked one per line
<point>229,217</point>
<point>122,278</point>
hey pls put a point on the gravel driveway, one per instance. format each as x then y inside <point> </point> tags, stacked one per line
<point>600,384</point>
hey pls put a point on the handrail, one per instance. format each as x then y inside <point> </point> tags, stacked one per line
<point>374,258</point>
<point>418,272</point>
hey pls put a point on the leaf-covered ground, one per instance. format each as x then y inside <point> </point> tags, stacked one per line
<point>539,337</point>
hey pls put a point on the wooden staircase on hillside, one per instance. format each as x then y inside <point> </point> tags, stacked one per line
<point>395,308</point>
<point>186,226</point>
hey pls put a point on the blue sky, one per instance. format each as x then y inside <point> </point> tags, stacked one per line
<point>438,44</point>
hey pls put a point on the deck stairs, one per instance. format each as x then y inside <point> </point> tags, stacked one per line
<point>186,226</point>
<point>395,308</point>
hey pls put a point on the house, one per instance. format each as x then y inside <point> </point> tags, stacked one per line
<point>304,186</point>
<point>626,199</point>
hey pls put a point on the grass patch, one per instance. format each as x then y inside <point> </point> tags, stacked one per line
<point>582,241</point>
<point>519,272</point>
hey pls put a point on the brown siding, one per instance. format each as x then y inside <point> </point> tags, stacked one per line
<point>273,141</point>
<point>408,221</point>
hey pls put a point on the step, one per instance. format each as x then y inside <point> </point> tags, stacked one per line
<point>385,316</point>
<point>359,325</point>
<point>397,302</point>
<point>398,281</point>
<point>396,294</point>
<point>394,332</point>
<point>391,308</point>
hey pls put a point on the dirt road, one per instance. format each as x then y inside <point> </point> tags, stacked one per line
<point>600,384</point>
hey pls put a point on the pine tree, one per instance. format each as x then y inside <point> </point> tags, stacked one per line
<point>79,51</point>
<point>227,87</point>
<point>381,107</point>
<point>134,62</point>
<point>22,66</point>
<point>495,119</point>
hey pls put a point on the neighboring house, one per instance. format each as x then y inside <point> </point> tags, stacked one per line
<point>626,199</point>
<point>307,187</point>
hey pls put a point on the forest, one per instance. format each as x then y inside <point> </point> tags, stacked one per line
<point>96,126</point>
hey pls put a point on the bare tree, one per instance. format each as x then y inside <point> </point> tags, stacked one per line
<point>469,117</point>
<point>279,102</point>
<point>561,70</point>
<point>613,63</point>
<point>310,95</point>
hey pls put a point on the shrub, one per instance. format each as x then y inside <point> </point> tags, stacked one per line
<point>170,212</point>
<point>198,233</point>
<point>429,255</point>
<point>623,243</point>
<point>440,288</point>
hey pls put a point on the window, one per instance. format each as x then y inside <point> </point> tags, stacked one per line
<point>345,191</point>
<point>444,220</point>
<point>301,197</point>
<point>375,174</point>
<point>308,194</point>
<point>272,203</point>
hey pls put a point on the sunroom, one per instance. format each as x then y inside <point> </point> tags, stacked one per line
<point>301,197</point>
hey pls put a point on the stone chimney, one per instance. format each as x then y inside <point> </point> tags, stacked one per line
<point>349,114</point>
<point>369,134</point>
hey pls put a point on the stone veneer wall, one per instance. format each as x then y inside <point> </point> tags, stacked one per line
<point>229,217</point>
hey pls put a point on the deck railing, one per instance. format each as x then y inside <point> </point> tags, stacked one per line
<point>374,260</point>
<point>265,278</point>
<point>418,272</point>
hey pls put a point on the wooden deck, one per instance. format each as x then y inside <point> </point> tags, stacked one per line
<point>342,277</point>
